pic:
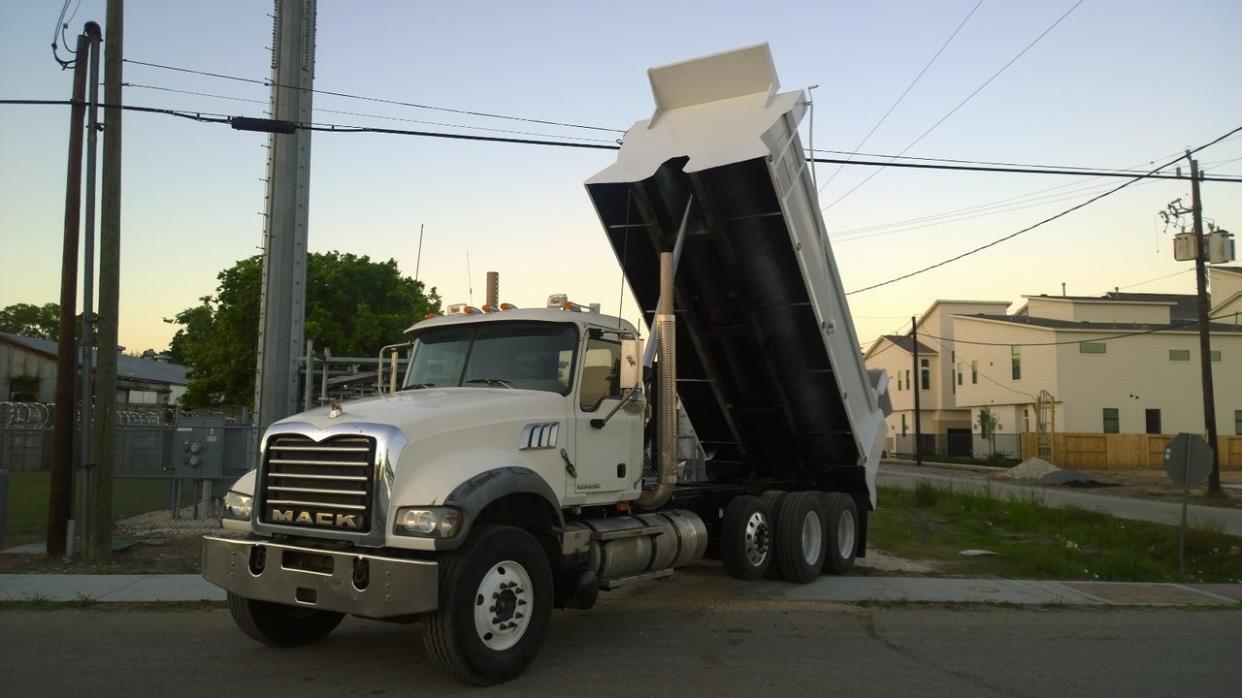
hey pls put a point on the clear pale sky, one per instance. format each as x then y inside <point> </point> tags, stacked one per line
<point>1119,83</point>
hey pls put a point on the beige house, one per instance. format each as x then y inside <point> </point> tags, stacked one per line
<point>1119,363</point>
<point>944,419</point>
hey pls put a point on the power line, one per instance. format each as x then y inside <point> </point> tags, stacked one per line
<point>906,91</point>
<point>1000,202</point>
<point>370,116</point>
<point>1045,221</point>
<point>962,103</point>
<point>380,100</point>
<point>1153,174</point>
<point>1158,278</point>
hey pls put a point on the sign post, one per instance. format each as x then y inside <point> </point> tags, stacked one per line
<point>1187,460</point>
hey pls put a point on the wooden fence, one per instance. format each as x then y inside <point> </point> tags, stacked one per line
<point>1123,451</point>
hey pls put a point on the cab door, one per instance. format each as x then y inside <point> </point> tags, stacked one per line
<point>608,459</point>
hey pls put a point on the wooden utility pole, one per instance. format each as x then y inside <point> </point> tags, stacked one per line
<point>59,490</point>
<point>99,544</point>
<point>1205,341</point>
<point>918,386</point>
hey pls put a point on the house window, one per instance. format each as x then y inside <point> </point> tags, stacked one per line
<point>1015,359</point>
<point>1112,420</point>
<point>925,374</point>
<point>1026,418</point>
<point>953,375</point>
<point>1179,355</point>
<point>908,383</point>
<point>1092,348</point>
<point>974,372</point>
<point>903,425</point>
<point>959,374</point>
<point>899,381</point>
<point>1237,422</point>
<point>1153,421</point>
<point>1215,355</point>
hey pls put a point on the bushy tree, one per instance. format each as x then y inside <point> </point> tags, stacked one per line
<point>29,320</point>
<point>354,306</point>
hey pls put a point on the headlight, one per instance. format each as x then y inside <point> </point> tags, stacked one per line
<point>429,522</point>
<point>237,505</point>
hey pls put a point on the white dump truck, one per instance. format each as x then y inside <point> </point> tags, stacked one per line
<point>528,460</point>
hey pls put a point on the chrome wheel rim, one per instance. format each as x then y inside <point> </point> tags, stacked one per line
<point>845,534</point>
<point>812,537</point>
<point>758,539</point>
<point>502,605</point>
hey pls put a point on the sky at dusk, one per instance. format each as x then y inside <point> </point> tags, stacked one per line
<point>1118,84</point>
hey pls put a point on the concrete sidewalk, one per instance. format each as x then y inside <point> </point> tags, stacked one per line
<point>702,587</point>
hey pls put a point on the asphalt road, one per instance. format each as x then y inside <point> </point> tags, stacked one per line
<point>628,648</point>
<point>1170,513</point>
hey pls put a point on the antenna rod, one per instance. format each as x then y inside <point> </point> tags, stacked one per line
<point>418,260</point>
<point>469,278</point>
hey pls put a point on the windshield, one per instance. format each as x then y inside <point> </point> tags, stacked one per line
<point>522,355</point>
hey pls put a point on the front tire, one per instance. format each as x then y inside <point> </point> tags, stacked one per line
<point>495,606</point>
<point>279,625</point>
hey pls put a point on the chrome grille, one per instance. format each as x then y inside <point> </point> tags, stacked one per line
<point>319,484</point>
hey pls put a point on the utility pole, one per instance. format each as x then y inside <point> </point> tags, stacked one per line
<point>1205,342</point>
<point>99,544</point>
<point>282,306</point>
<point>918,385</point>
<point>62,423</point>
<point>87,343</point>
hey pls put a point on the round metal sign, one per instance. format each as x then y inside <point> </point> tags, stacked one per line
<point>1187,459</point>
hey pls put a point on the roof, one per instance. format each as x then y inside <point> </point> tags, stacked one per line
<point>903,341</point>
<point>1185,305</point>
<point>126,366</point>
<point>1050,323</point>
<point>1231,270</point>
<point>950,301</point>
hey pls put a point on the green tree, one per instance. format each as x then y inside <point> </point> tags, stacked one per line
<point>29,320</point>
<point>354,306</point>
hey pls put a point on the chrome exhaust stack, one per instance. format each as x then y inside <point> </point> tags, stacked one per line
<point>666,391</point>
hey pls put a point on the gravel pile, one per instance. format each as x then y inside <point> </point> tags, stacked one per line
<point>1029,469</point>
<point>159,524</point>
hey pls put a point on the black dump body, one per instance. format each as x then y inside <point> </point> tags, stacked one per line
<point>754,375</point>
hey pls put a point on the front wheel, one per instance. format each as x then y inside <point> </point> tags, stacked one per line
<point>495,606</point>
<point>279,625</point>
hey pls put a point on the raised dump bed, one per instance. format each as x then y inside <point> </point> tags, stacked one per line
<point>769,369</point>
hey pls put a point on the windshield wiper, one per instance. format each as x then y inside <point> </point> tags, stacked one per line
<point>416,386</point>
<point>491,381</point>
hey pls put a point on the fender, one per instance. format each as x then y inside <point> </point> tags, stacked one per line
<point>472,497</point>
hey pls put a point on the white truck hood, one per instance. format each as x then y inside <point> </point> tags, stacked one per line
<point>430,411</point>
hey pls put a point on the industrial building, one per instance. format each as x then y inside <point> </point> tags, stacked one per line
<point>28,374</point>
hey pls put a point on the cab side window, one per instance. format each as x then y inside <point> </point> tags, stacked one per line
<point>601,373</point>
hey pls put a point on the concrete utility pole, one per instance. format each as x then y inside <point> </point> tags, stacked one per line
<point>62,423</point>
<point>99,543</point>
<point>282,307</point>
<point>918,386</point>
<point>1205,341</point>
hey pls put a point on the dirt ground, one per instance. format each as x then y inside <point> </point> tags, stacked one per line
<point>1155,484</point>
<point>159,545</point>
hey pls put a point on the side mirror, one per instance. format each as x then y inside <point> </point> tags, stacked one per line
<point>631,364</point>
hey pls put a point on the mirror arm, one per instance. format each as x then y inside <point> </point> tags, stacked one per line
<point>600,423</point>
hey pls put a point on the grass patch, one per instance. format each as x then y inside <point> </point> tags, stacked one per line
<point>1032,541</point>
<point>28,495</point>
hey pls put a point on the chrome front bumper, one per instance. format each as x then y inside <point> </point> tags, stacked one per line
<point>321,579</point>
